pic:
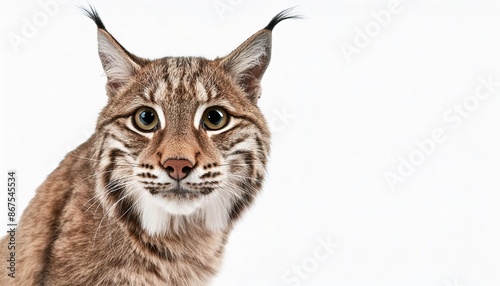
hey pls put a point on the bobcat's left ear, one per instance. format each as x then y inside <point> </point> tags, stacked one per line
<point>249,61</point>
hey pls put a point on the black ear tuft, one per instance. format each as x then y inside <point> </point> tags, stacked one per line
<point>91,12</point>
<point>283,15</point>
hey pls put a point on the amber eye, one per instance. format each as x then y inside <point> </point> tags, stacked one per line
<point>146,119</point>
<point>215,118</point>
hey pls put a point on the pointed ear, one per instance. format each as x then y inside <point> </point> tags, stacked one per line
<point>119,65</point>
<point>249,61</point>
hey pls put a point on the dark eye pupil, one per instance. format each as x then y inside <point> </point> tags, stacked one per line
<point>147,117</point>
<point>215,117</point>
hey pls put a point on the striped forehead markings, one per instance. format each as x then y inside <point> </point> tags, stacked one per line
<point>181,76</point>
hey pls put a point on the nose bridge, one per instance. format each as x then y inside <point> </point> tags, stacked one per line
<point>179,141</point>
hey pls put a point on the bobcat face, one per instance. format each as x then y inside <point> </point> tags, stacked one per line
<point>181,140</point>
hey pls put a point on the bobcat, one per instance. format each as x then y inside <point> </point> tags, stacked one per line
<point>178,153</point>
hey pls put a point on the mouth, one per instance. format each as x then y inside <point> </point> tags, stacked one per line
<point>180,193</point>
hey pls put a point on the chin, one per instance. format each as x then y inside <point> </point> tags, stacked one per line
<point>168,212</point>
<point>180,206</point>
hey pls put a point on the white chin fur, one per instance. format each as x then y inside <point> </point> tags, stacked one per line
<point>177,207</point>
<point>159,215</point>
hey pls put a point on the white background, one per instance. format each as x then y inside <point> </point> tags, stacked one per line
<point>347,122</point>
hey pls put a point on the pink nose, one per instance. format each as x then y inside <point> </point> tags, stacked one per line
<point>178,169</point>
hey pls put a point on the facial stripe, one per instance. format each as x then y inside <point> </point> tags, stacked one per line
<point>161,90</point>
<point>213,91</point>
<point>198,115</point>
<point>201,91</point>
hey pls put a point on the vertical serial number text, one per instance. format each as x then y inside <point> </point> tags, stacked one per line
<point>11,224</point>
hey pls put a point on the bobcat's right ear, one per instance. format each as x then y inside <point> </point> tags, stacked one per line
<point>119,65</point>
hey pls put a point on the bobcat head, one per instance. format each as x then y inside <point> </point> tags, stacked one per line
<point>181,140</point>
